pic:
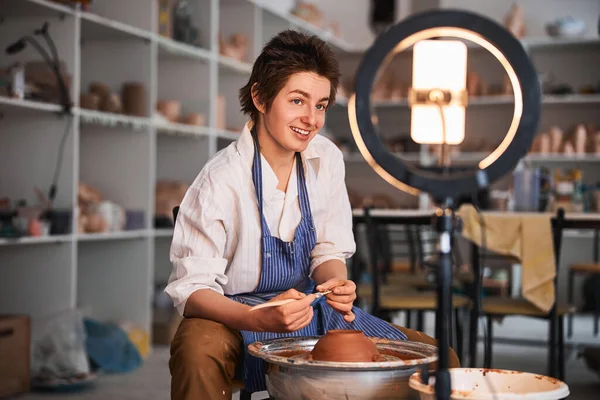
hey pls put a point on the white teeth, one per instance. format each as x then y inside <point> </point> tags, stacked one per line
<point>300,131</point>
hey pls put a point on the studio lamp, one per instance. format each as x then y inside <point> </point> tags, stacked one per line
<point>438,102</point>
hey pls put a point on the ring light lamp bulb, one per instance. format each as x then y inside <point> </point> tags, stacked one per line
<point>439,80</point>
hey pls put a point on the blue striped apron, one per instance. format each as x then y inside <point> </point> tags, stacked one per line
<point>286,265</point>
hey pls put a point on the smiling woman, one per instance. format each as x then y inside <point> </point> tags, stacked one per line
<point>267,219</point>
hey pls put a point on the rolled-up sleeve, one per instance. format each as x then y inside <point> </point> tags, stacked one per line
<point>198,246</point>
<point>335,239</point>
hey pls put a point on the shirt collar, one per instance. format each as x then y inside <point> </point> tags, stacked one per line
<point>245,148</point>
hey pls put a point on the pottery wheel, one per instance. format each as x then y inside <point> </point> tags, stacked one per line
<point>290,375</point>
<point>295,351</point>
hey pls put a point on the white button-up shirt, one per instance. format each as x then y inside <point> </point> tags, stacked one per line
<point>217,237</point>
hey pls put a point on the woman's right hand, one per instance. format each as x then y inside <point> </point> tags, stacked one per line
<point>285,318</point>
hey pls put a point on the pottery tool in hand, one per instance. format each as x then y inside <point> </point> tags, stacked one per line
<point>287,301</point>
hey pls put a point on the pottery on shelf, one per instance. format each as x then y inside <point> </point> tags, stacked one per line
<point>134,99</point>
<point>112,104</point>
<point>90,101</point>
<point>170,109</point>
<point>194,119</point>
<point>339,345</point>
<point>514,21</point>
<point>236,46</point>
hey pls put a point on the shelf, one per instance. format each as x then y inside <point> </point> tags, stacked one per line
<point>327,36</point>
<point>10,105</point>
<point>531,43</point>
<point>113,120</point>
<point>113,235</point>
<point>36,240</point>
<point>225,134</point>
<point>182,129</point>
<point>546,99</point>
<point>172,49</point>
<point>563,158</point>
<point>358,158</point>
<point>491,100</point>
<point>235,65</point>
<point>163,232</point>
<point>478,156</point>
<point>35,8</point>
<point>390,103</point>
<point>96,27</point>
<point>548,41</point>
<point>464,157</point>
<point>572,99</point>
<point>505,100</point>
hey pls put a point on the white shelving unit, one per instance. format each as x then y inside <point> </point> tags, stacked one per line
<point>112,275</point>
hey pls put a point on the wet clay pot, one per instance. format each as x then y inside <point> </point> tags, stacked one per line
<point>345,346</point>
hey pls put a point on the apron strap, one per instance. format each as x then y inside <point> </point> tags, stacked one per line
<point>258,187</point>
<point>257,181</point>
<point>302,191</point>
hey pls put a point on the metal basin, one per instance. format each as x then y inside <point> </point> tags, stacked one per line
<point>291,376</point>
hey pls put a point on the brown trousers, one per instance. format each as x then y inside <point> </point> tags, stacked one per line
<point>204,356</point>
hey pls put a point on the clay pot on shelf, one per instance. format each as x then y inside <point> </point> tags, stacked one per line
<point>134,99</point>
<point>473,84</point>
<point>112,104</point>
<point>100,89</point>
<point>545,145</point>
<point>221,113</point>
<point>196,119</point>
<point>515,21</point>
<point>90,101</point>
<point>580,139</point>
<point>236,46</point>
<point>556,139</point>
<point>170,109</point>
<point>340,345</point>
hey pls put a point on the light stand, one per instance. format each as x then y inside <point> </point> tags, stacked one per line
<point>444,223</point>
<point>438,100</point>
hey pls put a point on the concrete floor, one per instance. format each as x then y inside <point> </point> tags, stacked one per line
<point>152,380</point>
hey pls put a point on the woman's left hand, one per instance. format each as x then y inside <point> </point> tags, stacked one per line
<point>342,296</point>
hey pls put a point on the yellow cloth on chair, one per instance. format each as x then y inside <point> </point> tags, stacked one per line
<point>526,236</point>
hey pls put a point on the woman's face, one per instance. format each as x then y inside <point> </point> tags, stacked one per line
<point>298,111</point>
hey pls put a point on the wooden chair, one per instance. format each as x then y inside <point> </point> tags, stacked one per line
<point>497,306</point>
<point>585,269</point>
<point>236,384</point>
<point>406,260</point>
<point>398,296</point>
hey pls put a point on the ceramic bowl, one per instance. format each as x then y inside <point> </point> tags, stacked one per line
<point>491,384</point>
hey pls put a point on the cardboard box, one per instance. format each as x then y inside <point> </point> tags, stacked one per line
<point>15,350</point>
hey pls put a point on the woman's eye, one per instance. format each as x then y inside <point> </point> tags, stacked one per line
<point>297,101</point>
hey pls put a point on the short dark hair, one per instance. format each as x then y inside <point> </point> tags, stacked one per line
<point>287,53</point>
